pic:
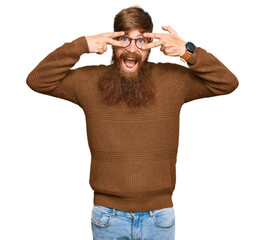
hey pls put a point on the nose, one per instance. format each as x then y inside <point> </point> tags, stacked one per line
<point>132,47</point>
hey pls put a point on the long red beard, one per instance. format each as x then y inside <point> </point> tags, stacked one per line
<point>136,89</point>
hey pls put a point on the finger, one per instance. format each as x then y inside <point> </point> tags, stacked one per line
<point>105,48</point>
<point>114,34</point>
<point>115,42</point>
<point>153,35</point>
<point>169,29</point>
<point>152,45</point>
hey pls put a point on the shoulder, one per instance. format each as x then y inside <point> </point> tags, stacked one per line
<point>162,68</point>
<point>96,69</point>
<point>86,76</point>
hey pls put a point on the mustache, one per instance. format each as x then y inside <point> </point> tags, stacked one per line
<point>135,56</point>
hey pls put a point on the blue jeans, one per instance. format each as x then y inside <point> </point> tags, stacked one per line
<point>113,224</point>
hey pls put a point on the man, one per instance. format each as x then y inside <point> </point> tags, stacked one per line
<point>132,111</point>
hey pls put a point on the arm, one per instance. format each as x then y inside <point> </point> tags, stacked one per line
<point>52,76</point>
<point>205,77</point>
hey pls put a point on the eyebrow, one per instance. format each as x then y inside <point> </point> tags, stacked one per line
<point>127,34</point>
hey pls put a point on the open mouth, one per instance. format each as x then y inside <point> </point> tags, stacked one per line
<point>130,64</point>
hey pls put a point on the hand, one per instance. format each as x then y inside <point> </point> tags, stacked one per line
<point>171,44</point>
<point>98,43</point>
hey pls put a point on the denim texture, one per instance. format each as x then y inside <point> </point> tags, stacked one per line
<point>113,224</point>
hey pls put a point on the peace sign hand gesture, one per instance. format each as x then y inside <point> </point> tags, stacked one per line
<point>98,43</point>
<point>171,44</point>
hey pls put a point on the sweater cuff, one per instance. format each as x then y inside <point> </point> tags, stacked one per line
<point>193,58</point>
<point>81,45</point>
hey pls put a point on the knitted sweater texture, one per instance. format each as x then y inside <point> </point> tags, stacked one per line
<point>133,153</point>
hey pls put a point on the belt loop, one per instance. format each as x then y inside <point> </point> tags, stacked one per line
<point>132,213</point>
<point>113,212</point>
<point>151,213</point>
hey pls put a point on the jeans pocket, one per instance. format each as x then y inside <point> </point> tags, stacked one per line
<point>164,218</point>
<point>100,217</point>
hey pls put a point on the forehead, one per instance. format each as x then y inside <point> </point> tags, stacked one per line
<point>134,33</point>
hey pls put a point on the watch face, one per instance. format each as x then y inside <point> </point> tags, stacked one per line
<point>190,47</point>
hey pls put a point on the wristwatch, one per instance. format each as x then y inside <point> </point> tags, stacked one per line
<point>190,48</point>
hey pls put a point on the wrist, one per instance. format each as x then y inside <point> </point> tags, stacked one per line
<point>189,49</point>
<point>183,49</point>
<point>81,45</point>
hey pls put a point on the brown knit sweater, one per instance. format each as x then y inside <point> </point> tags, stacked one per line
<point>133,153</point>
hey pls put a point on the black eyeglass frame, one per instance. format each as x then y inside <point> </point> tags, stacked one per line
<point>148,39</point>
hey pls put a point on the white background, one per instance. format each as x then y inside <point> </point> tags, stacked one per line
<point>45,159</point>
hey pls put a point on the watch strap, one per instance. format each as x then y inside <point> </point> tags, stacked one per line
<point>185,56</point>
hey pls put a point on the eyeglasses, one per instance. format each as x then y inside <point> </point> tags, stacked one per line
<point>139,42</point>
